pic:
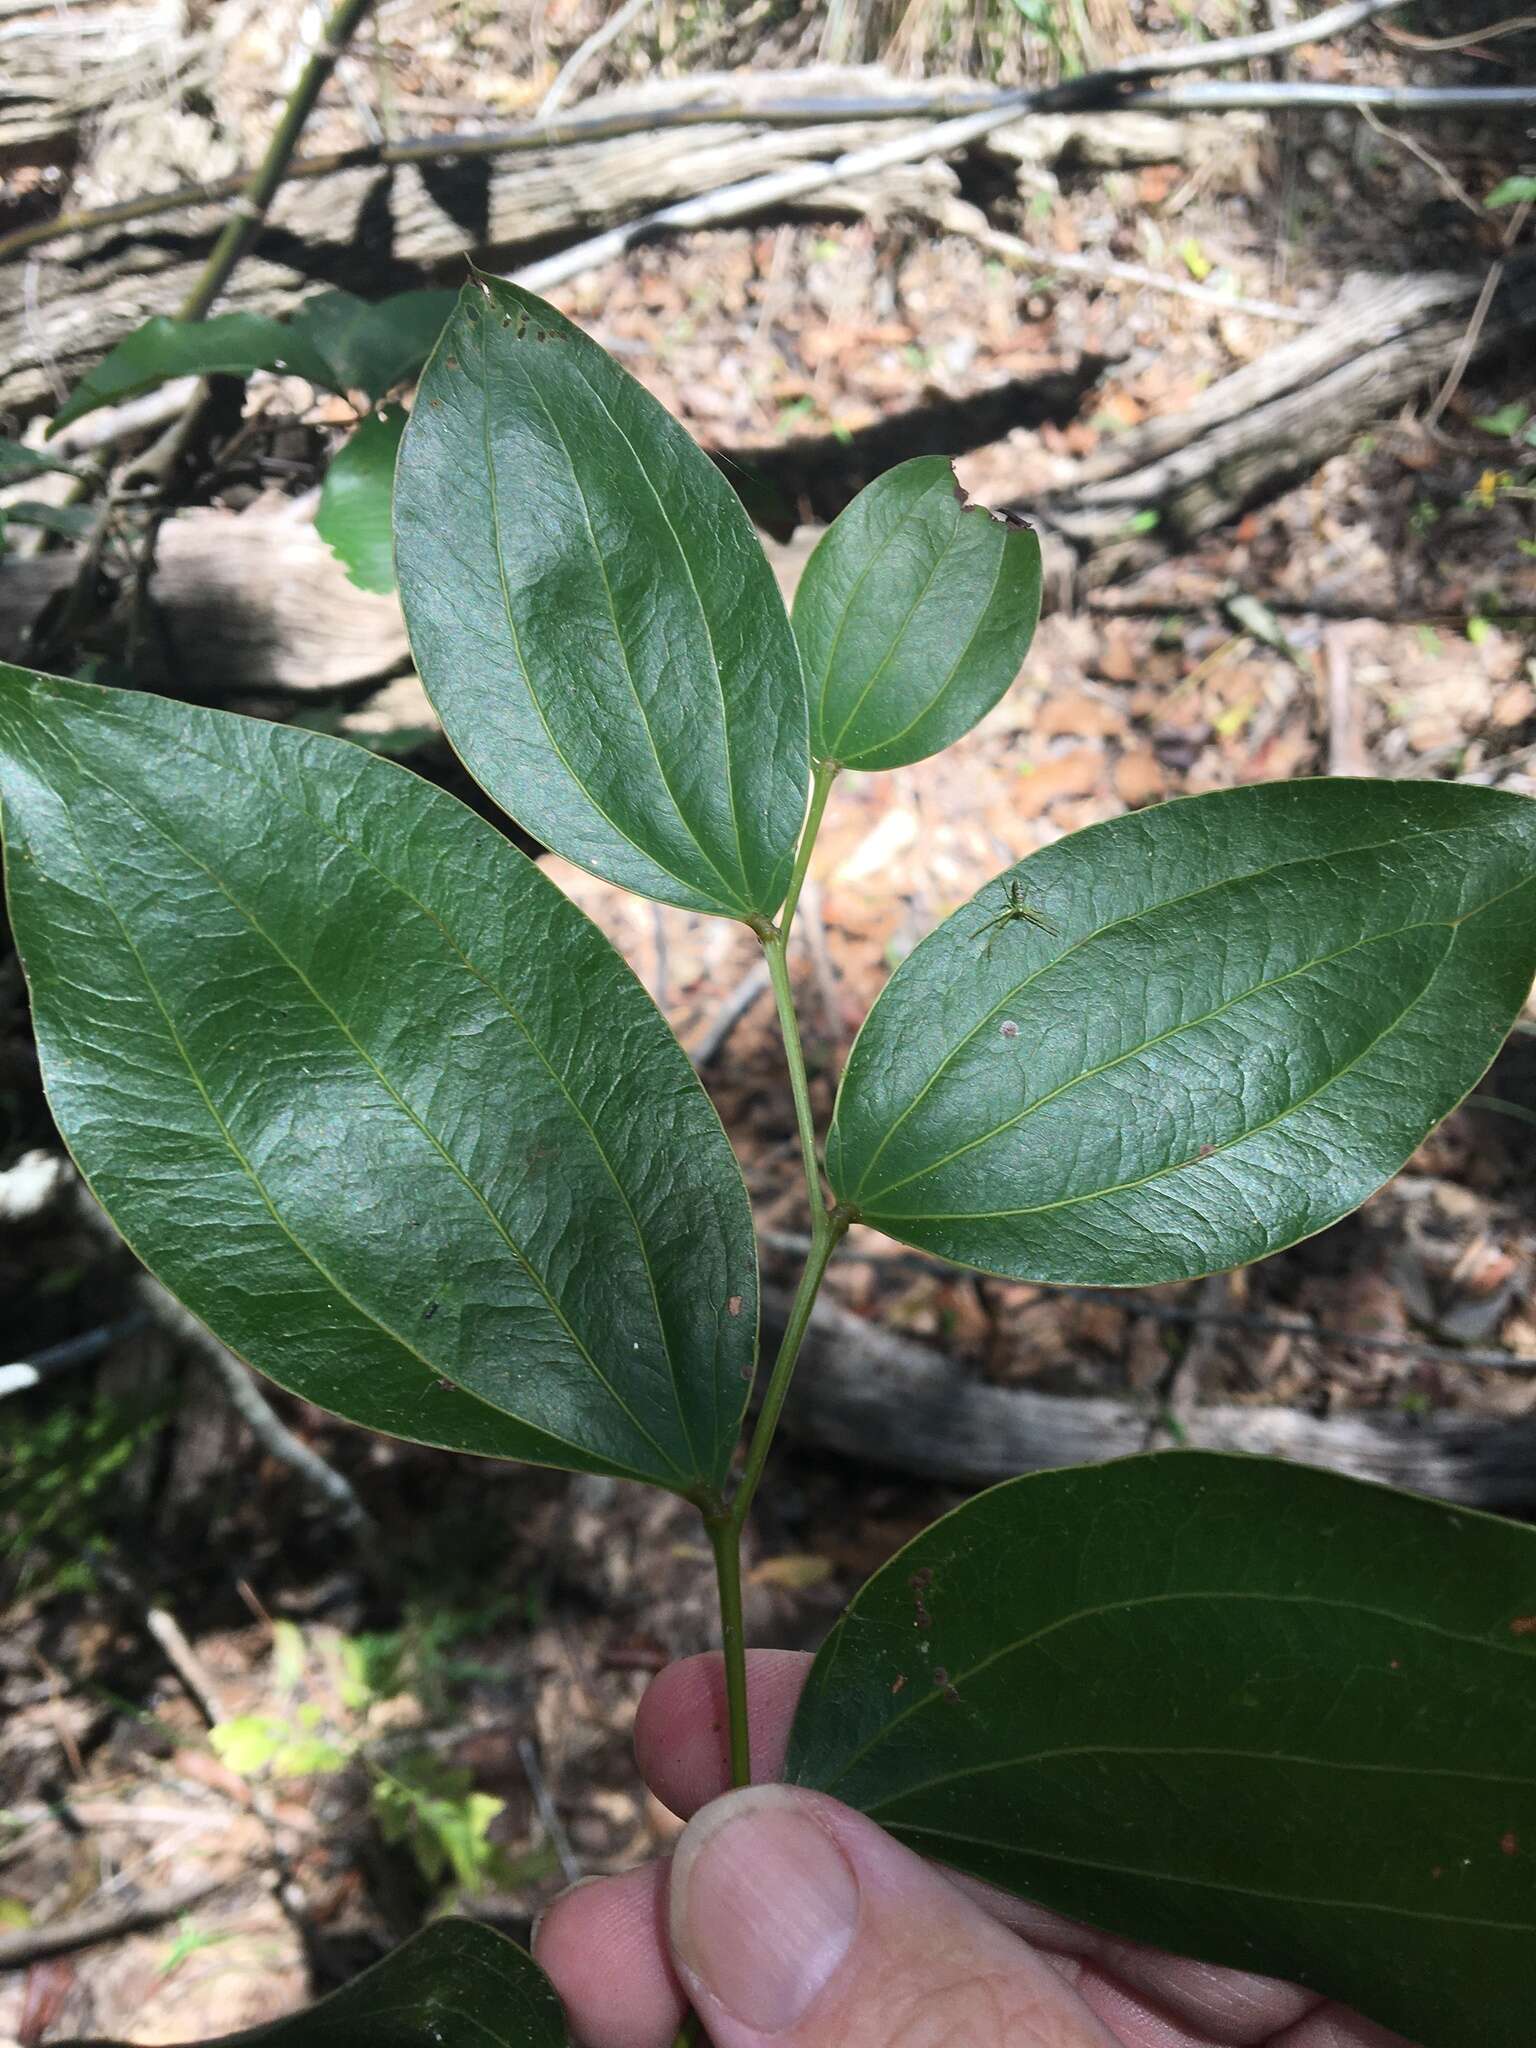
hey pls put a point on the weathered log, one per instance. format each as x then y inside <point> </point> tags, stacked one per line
<point>382,230</point>
<point>1281,417</point>
<point>237,606</point>
<point>870,1394</point>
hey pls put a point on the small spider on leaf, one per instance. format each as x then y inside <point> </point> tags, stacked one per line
<point>1016,911</point>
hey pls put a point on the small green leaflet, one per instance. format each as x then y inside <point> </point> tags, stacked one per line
<point>913,616</point>
<point>371,345</point>
<point>456,1984</point>
<point>354,514</point>
<point>1245,1711</point>
<point>369,1093</point>
<point>1252,1008</point>
<point>592,616</point>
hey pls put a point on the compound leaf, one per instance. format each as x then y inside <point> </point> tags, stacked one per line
<point>369,1093</point>
<point>354,513</point>
<point>1188,1037</point>
<point>1246,1711</point>
<point>913,616</point>
<point>593,617</point>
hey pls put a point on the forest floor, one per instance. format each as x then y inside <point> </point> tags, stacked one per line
<point>442,1710</point>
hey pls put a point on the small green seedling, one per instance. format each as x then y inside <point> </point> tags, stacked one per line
<point>377,1101</point>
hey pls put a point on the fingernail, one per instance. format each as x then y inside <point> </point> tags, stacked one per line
<point>764,1905</point>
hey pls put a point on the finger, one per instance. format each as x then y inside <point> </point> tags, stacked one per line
<point>681,1733</point>
<point>603,1944</point>
<point>1330,2027</point>
<point>796,1923</point>
<point>681,1745</point>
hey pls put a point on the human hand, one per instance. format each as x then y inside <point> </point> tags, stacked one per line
<point>784,1918</point>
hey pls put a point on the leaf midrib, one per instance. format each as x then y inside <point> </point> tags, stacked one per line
<point>732,893</point>
<point>908,1829</point>
<point>1131,1605</point>
<point>1130,917</point>
<point>351,846</point>
<point>1163,1038</point>
<point>695,895</point>
<point>834,750</point>
<point>368,1315</point>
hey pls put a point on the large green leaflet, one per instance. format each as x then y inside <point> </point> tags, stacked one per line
<point>1248,1011</point>
<point>593,617</point>
<point>369,1093</point>
<point>1240,1709</point>
<point>456,1984</point>
<point>913,616</point>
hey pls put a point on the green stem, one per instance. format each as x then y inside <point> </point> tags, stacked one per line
<point>725,1542</point>
<point>799,1084</point>
<point>821,788</point>
<point>250,209</point>
<point>827,1231</point>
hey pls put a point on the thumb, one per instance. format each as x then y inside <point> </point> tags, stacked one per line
<point>797,1922</point>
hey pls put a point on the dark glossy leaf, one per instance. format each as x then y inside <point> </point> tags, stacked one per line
<point>354,515</point>
<point>456,1984</point>
<point>17,461</point>
<point>368,1093</point>
<point>371,346</point>
<point>593,617</point>
<point>913,617</point>
<point>233,344</point>
<point>1240,1014</point>
<point>1247,1711</point>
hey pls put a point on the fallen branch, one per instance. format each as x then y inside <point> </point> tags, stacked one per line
<point>1281,417</point>
<point>959,217</point>
<point>1095,89</point>
<point>879,1398</point>
<point>108,1923</point>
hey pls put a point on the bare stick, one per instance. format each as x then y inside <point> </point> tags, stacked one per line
<point>168,1635</point>
<point>595,44</point>
<point>109,1923</point>
<point>250,209</point>
<point>730,1013</point>
<point>959,217</point>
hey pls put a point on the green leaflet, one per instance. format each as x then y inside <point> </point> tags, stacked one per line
<point>232,344</point>
<point>913,617</point>
<point>371,345</point>
<point>354,514</point>
<point>456,1984</point>
<point>334,340</point>
<point>368,1093</point>
<point>1240,1709</point>
<point>592,616</point>
<point>1252,1008</point>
